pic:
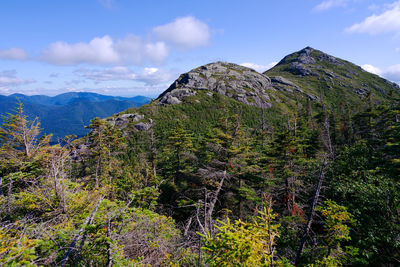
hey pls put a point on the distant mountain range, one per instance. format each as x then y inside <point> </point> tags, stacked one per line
<point>69,113</point>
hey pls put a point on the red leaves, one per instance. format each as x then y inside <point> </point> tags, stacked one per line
<point>270,169</point>
<point>296,211</point>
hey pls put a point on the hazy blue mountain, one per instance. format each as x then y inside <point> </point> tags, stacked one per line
<point>69,113</point>
<point>66,98</point>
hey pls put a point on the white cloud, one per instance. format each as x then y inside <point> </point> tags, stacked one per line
<point>397,49</point>
<point>156,52</point>
<point>186,32</point>
<point>257,67</point>
<point>328,4</point>
<point>183,33</point>
<point>13,53</point>
<point>149,76</point>
<point>133,49</point>
<point>372,69</point>
<point>97,51</point>
<point>386,22</point>
<point>154,76</point>
<point>106,51</point>
<point>9,80</point>
<point>391,73</point>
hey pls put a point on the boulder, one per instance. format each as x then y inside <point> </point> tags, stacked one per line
<point>297,68</point>
<point>122,120</point>
<point>142,126</point>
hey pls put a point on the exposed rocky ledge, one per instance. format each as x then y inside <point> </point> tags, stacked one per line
<point>122,120</point>
<point>241,83</point>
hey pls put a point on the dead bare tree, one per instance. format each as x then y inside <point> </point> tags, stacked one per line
<point>209,206</point>
<point>56,166</point>
<point>314,202</point>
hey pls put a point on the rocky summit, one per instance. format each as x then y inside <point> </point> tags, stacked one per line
<point>317,73</point>
<point>242,84</point>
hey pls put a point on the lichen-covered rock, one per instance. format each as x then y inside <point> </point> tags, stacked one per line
<point>279,80</point>
<point>305,56</point>
<point>297,68</point>
<point>241,83</point>
<point>361,91</point>
<point>283,84</point>
<point>122,120</point>
<point>169,99</point>
<point>143,126</point>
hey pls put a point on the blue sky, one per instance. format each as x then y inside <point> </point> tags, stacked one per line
<point>132,47</point>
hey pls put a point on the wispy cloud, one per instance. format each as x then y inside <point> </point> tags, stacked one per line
<point>372,69</point>
<point>391,73</point>
<point>106,3</point>
<point>328,4</point>
<point>13,53</point>
<point>74,82</point>
<point>257,67</point>
<point>387,21</point>
<point>9,80</point>
<point>149,76</point>
<point>140,89</point>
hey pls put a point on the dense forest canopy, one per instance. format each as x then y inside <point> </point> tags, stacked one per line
<point>302,168</point>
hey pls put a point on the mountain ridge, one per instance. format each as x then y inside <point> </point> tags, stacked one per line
<point>65,98</point>
<point>69,113</point>
<point>335,78</point>
<point>308,73</point>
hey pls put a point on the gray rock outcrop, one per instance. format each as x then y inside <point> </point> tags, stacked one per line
<point>142,126</point>
<point>241,83</point>
<point>122,120</point>
<point>283,84</point>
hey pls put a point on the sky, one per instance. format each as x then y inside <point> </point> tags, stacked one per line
<point>132,47</point>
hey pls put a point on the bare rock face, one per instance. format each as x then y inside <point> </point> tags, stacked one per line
<point>122,120</point>
<point>241,83</point>
<point>305,56</point>
<point>283,84</point>
<point>143,126</point>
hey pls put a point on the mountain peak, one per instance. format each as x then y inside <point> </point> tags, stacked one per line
<point>307,49</point>
<point>229,79</point>
<point>309,56</point>
<point>317,72</point>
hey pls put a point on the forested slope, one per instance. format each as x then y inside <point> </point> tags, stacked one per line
<point>228,167</point>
